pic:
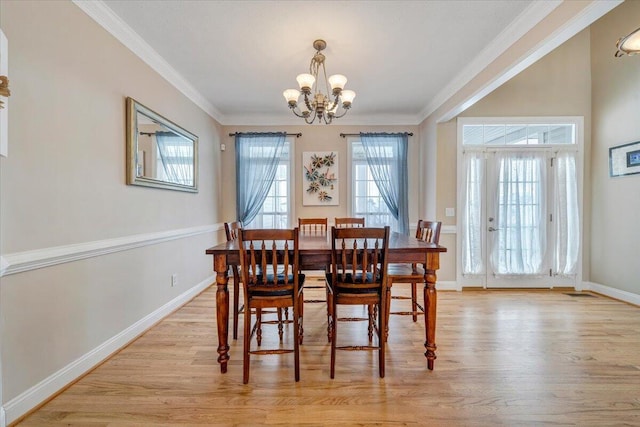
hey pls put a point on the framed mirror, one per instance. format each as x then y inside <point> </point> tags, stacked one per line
<point>160,153</point>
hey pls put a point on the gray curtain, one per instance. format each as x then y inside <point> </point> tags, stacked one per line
<point>257,158</point>
<point>176,155</point>
<point>386,155</point>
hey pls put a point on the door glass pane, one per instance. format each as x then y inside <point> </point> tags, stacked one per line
<point>520,232</point>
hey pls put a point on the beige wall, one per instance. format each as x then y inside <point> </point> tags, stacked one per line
<point>64,183</point>
<point>615,207</point>
<point>319,138</point>
<point>559,84</point>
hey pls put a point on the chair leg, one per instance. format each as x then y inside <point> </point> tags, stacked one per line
<point>247,344</point>
<point>258,325</point>
<point>386,314</point>
<point>333,338</point>
<point>296,344</point>
<point>300,317</point>
<point>330,315</point>
<point>414,302</point>
<point>236,303</point>
<point>371,309</point>
<point>382,326</point>
<point>280,329</point>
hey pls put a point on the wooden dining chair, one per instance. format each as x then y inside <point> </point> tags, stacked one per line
<point>312,226</point>
<point>427,231</point>
<point>349,222</point>
<point>271,279</point>
<point>231,229</point>
<point>358,276</point>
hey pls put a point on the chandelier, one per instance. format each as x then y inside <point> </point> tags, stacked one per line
<point>324,106</point>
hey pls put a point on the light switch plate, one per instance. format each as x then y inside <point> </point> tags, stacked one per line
<point>450,212</point>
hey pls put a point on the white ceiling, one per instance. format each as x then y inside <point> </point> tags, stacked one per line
<point>401,57</point>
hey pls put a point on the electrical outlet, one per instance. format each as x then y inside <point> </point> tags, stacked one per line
<point>174,280</point>
<point>450,212</point>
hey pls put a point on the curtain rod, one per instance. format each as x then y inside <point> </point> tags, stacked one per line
<point>297,135</point>
<point>357,134</point>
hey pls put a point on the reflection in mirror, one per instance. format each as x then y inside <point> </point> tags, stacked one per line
<point>159,153</point>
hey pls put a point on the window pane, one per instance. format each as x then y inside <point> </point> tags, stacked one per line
<point>537,134</point>
<point>366,200</point>
<point>561,134</point>
<point>275,209</point>
<point>472,134</point>
<point>516,135</point>
<point>494,134</point>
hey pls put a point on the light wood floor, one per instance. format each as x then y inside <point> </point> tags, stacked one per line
<point>504,358</point>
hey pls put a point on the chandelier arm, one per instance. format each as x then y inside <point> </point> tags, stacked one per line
<point>306,101</point>
<point>337,116</point>
<point>313,119</point>
<point>296,113</point>
<point>335,102</point>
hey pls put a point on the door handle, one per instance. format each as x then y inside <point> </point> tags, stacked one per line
<point>493,229</point>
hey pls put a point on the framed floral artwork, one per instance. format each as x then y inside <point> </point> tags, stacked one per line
<point>320,178</point>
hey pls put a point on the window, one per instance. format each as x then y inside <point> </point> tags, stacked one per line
<point>276,209</point>
<point>175,158</point>
<point>366,200</point>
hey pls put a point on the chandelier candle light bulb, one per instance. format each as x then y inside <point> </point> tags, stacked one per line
<point>319,105</point>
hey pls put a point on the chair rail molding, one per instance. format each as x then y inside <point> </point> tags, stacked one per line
<point>20,262</point>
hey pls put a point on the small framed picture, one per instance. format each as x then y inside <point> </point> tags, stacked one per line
<point>624,159</point>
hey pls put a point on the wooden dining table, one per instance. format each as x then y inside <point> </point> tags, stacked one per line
<point>315,254</point>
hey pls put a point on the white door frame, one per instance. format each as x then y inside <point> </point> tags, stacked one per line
<point>481,280</point>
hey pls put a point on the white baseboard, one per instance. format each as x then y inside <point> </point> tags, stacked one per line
<point>618,294</point>
<point>443,285</point>
<point>31,398</point>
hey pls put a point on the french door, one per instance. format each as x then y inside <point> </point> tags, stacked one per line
<point>519,218</point>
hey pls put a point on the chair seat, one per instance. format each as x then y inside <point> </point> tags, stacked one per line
<point>404,272</point>
<point>271,288</point>
<point>354,284</point>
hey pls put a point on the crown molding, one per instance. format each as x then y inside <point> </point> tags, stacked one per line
<point>111,22</point>
<point>570,28</point>
<point>291,120</point>
<point>528,19</point>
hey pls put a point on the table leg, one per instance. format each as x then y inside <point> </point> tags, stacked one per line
<point>222,310</point>
<point>430,307</point>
